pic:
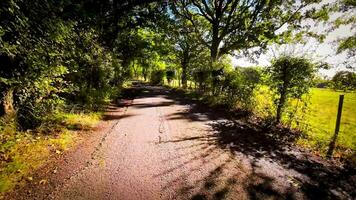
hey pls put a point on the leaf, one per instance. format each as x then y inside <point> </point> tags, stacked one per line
<point>43,182</point>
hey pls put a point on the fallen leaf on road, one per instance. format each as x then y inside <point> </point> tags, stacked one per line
<point>43,182</point>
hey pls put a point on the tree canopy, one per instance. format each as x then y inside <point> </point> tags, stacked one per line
<point>234,25</point>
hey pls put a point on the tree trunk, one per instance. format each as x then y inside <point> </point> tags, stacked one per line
<point>283,93</point>
<point>185,62</point>
<point>214,49</point>
<point>280,106</point>
<point>214,52</point>
<point>184,76</point>
<point>134,69</point>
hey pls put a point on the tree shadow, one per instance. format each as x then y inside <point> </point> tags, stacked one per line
<point>151,105</point>
<point>321,178</point>
<point>237,135</point>
<point>318,178</point>
<point>110,117</point>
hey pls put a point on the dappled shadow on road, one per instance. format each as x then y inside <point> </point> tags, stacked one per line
<point>109,117</point>
<point>318,180</point>
<point>237,156</point>
<point>226,176</point>
<point>151,105</point>
<point>308,176</point>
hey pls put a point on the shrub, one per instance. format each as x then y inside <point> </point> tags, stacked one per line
<point>202,77</point>
<point>239,86</point>
<point>289,77</point>
<point>344,80</point>
<point>157,77</point>
<point>170,75</point>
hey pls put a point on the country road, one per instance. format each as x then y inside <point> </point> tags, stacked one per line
<point>162,147</point>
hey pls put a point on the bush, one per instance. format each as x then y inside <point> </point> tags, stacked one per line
<point>239,86</point>
<point>344,80</point>
<point>202,77</point>
<point>290,77</point>
<point>170,75</point>
<point>157,77</point>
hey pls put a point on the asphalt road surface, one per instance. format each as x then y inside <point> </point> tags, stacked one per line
<point>162,148</point>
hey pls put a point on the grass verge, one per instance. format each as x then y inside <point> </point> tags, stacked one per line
<point>315,117</point>
<point>23,152</point>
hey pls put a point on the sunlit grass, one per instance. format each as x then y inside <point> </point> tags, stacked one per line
<point>317,119</point>
<point>23,152</point>
<point>315,116</point>
<point>78,121</point>
<point>322,117</point>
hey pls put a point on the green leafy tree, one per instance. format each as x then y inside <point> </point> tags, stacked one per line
<point>344,80</point>
<point>55,52</point>
<point>239,86</point>
<point>290,77</point>
<point>346,10</point>
<point>186,44</point>
<point>234,25</point>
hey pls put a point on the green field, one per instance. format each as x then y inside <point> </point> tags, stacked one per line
<point>315,116</point>
<point>318,118</point>
<point>322,118</point>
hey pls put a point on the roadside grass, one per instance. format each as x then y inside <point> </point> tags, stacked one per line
<point>321,117</point>
<point>315,116</point>
<point>77,121</point>
<point>23,152</point>
<point>317,119</point>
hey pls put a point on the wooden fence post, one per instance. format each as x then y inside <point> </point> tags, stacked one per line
<point>337,128</point>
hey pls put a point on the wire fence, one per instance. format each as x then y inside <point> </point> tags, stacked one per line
<point>315,116</point>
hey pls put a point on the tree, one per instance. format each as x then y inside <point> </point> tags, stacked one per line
<point>56,52</point>
<point>186,45</point>
<point>239,86</point>
<point>346,44</point>
<point>226,26</point>
<point>344,80</point>
<point>290,77</point>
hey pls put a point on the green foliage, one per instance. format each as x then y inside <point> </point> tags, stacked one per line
<point>170,74</point>
<point>347,44</point>
<point>239,86</point>
<point>235,25</point>
<point>24,152</point>
<point>345,10</point>
<point>157,77</point>
<point>344,80</point>
<point>48,60</point>
<point>320,82</point>
<point>290,77</point>
<point>202,78</point>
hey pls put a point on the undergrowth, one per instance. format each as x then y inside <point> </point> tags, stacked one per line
<point>21,152</point>
<point>315,118</point>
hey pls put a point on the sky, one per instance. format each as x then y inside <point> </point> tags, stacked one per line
<point>321,52</point>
